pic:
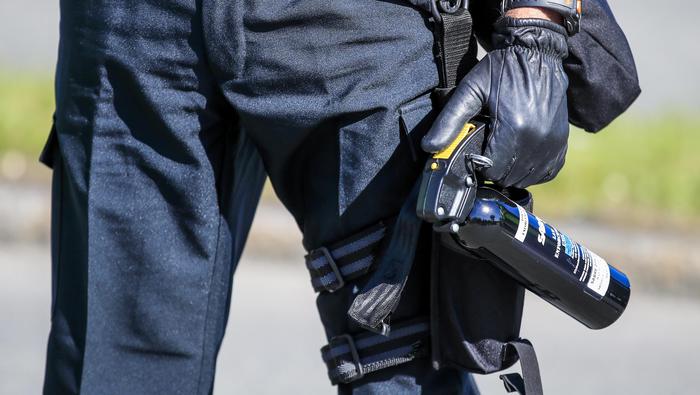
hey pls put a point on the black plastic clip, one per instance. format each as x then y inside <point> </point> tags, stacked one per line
<point>340,283</point>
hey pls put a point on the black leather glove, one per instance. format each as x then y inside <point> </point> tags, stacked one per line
<point>522,86</point>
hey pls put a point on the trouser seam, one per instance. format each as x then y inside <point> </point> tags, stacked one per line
<point>209,302</point>
<point>88,208</point>
<point>59,224</point>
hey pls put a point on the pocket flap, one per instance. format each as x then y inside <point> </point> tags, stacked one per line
<point>47,153</point>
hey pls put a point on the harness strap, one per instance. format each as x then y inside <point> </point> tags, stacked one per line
<point>346,260</point>
<point>349,358</point>
<point>453,35</point>
<point>455,50</point>
<point>378,299</point>
<point>530,383</point>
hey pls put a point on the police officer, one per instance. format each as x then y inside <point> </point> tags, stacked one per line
<point>169,115</point>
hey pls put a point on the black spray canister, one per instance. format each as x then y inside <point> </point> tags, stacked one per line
<point>537,255</point>
<point>544,260</point>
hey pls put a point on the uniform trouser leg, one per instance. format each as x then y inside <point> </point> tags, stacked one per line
<point>74,368</point>
<point>154,191</point>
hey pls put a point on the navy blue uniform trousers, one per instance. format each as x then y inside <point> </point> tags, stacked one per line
<point>169,115</point>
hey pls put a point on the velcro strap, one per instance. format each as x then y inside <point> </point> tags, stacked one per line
<point>530,383</point>
<point>379,297</point>
<point>350,358</point>
<point>348,259</point>
<point>454,39</point>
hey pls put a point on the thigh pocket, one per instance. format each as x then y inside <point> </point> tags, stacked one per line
<point>48,153</point>
<point>476,310</point>
<point>51,158</point>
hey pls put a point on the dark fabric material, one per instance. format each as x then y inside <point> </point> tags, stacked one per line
<point>48,152</point>
<point>521,85</point>
<point>423,4</point>
<point>166,114</point>
<point>467,287</point>
<point>603,80</point>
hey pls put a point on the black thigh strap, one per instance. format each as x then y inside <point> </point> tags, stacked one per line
<point>331,267</point>
<point>349,358</point>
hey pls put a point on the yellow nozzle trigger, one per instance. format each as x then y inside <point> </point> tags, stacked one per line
<point>447,152</point>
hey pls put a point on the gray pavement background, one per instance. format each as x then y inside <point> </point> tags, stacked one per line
<point>653,349</point>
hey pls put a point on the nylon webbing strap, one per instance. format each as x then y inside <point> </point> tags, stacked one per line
<point>380,295</point>
<point>453,38</point>
<point>346,260</point>
<point>350,358</point>
<point>530,383</point>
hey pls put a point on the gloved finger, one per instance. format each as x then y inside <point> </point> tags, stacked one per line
<point>466,102</point>
<point>544,173</point>
<point>521,173</point>
<point>499,171</point>
<point>537,176</point>
<point>501,147</point>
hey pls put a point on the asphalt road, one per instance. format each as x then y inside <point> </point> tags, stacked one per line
<point>652,350</point>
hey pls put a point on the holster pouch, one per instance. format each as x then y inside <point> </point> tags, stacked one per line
<point>476,309</point>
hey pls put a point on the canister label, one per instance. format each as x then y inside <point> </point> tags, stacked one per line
<point>582,263</point>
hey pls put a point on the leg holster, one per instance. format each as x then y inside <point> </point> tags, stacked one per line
<point>460,306</point>
<point>476,312</point>
<point>456,307</point>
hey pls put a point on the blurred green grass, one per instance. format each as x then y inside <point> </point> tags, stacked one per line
<point>26,107</point>
<point>638,170</point>
<point>641,169</point>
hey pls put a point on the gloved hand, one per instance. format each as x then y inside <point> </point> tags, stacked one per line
<point>522,86</point>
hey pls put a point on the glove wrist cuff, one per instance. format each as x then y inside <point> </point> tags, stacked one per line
<point>536,34</point>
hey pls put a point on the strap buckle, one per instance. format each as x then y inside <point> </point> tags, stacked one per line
<point>451,6</point>
<point>353,352</point>
<point>383,328</point>
<point>446,6</point>
<point>339,281</point>
<point>513,382</point>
